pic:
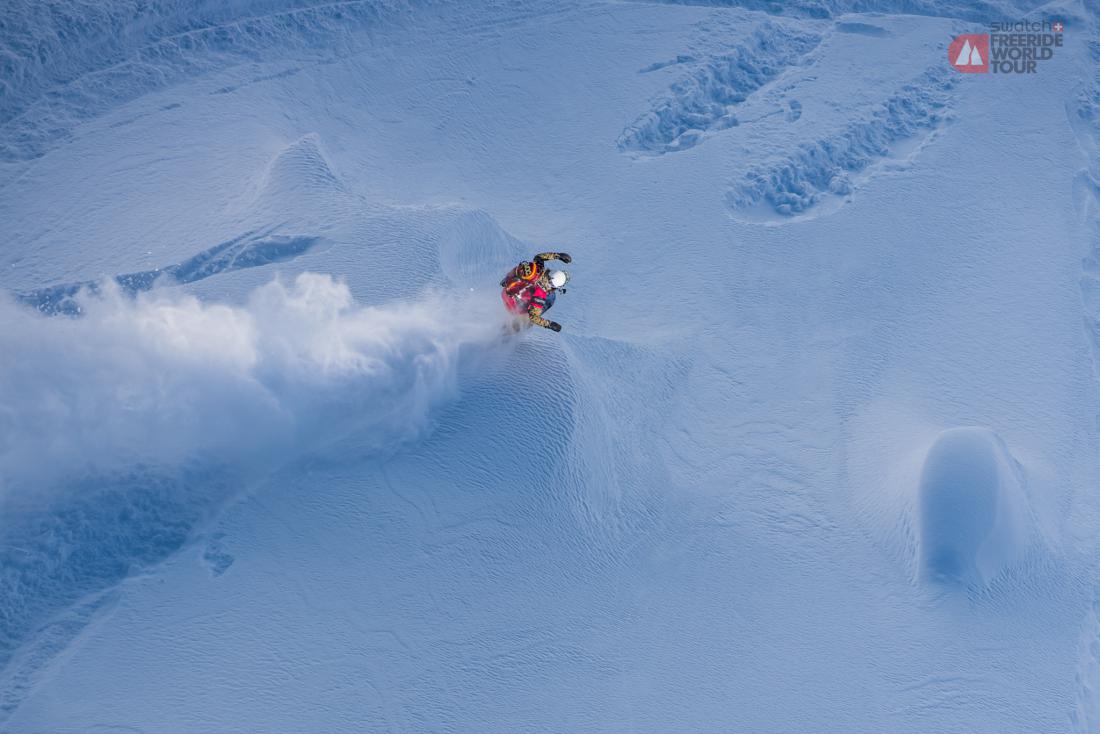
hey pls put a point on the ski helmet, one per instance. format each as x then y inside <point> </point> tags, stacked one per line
<point>558,278</point>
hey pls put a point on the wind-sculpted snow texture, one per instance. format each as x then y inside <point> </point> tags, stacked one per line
<point>814,451</point>
<point>65,63</point>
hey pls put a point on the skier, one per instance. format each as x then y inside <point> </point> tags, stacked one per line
<point>531,288</point>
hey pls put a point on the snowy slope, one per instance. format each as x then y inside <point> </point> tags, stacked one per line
<point>814,452</point>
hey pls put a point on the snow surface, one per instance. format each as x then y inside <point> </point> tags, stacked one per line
<point>815,450</point>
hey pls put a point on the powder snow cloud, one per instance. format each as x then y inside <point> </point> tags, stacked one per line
<point>165,378</point>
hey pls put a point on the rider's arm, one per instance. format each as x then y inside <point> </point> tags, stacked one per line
<point>544,256</point>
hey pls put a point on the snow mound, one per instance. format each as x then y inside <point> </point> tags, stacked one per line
<point>973,513</point>
<point>473,249</point>
<point>300,181</point>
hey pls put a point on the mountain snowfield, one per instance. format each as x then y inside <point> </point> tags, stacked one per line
<point>816,449</point>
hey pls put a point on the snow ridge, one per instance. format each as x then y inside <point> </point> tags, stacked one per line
<point>705,100</point>
<point>834,166</point>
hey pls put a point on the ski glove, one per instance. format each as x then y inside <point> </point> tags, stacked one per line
<point>565,257</point>
<point>554,326</point>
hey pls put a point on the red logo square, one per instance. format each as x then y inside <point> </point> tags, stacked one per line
<point>969,53</point>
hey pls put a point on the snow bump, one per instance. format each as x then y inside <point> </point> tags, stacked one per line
<point>300,179</point>
<point>972,510</point>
